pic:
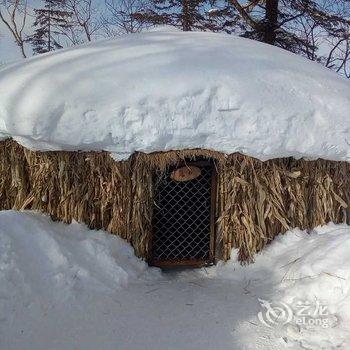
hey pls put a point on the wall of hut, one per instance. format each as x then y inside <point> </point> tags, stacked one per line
<point>256,200</point>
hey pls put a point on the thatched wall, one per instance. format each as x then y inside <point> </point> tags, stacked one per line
<point>261,199</point>
<point>256,200</point>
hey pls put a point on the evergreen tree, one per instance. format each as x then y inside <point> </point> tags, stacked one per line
<point>188,14</point>
<point>51,21</point>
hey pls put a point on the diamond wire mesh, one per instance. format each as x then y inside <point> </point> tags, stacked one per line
<point>182,218</point>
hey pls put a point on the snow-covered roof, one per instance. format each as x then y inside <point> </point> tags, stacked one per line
<point>165,90</point>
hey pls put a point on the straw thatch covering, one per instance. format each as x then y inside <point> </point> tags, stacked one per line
<point>256,200</point>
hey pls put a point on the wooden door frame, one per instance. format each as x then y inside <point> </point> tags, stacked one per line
<point>213,203</point>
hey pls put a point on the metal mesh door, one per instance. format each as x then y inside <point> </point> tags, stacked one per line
<point>182,219</point>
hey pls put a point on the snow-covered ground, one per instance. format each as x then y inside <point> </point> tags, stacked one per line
<point>65,287</point>
<point>164,90</point>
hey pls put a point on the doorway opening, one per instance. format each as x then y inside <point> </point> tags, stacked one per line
<point>184,216</point>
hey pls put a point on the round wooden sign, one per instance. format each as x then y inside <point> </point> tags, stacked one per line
<point>185,173</point>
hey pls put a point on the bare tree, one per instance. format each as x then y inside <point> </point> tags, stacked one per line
<point>338,58</point>
<point>120,16</point>
<point>326,34</point>
<point>317,29</point>
<point>13,13</point>
<point>335,49</point>
<point>84,15</point>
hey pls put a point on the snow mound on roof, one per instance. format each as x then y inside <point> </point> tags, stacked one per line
<point>161,90</point>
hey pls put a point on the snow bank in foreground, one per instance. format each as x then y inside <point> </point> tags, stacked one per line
<point>48,259</point>
<point>60,288</point>
<point>164,90</point>
<point>308,275</point>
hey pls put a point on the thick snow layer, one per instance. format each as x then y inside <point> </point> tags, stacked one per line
<point>167,90</point>
<point>65,287</point>
<point>64,256</point>
<point>311,275</point>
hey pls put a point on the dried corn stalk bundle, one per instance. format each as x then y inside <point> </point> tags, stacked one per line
<point>256,200</point>
<point>259,200</point>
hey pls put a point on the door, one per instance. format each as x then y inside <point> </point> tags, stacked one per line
<point>183,216</point>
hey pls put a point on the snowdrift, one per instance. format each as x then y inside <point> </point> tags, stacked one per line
<point>310,275</point>
<point>63,286</point>
<point>161,90</point>
<point>39,256</point>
